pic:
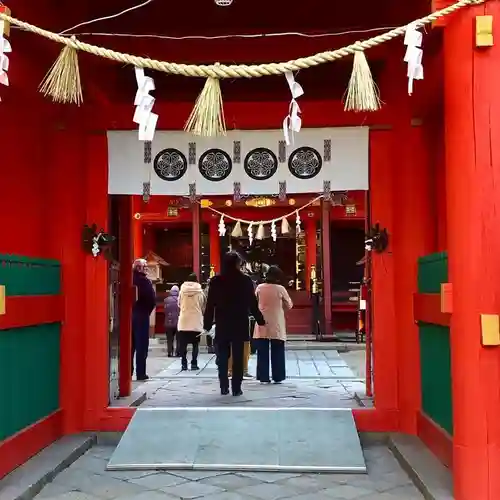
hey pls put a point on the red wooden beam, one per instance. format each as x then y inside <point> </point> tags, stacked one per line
<point>22,311</point>
<point>20,447</point>
<point>435,438</point>
<point>427,309</point>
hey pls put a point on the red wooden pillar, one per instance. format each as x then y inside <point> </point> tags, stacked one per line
<point>65,220</point>
<point>385,335</point>
<point>214,244</point>
<point>125,294</point>
<point>310,230</point>
<point>414,236</point>
<point>472,131</point>
<point>149,239</point>
<point>196,240</point>
<point>326,264</point>
<point>96,338</point>
<point>137,228</point>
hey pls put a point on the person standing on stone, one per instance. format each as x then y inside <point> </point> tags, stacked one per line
<point>274,300</point>
<point>141,311</point>
<point>190,324</point>
<point>230,302</point>
<point>171,307</point>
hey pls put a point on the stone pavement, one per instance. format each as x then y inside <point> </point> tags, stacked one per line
<point>87,479</point>
<point>316,379</point>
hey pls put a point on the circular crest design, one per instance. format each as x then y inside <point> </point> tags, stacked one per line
<point>215,165</point>
<point>260,164</point>
<point>305,163</point>
<point>170,164</point>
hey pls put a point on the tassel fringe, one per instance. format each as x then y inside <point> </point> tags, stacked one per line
<point>362,93</point>
<point>62,83</point>
<point>207,117</point>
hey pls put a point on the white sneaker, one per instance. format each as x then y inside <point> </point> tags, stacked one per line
<point>247,376</point>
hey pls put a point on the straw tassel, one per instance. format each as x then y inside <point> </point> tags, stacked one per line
<point>362,93</point>
<point>62,83</point>
<point>207,117</point>
<point>285,227</point>
<point>260,232</point>
<point>237,232</point>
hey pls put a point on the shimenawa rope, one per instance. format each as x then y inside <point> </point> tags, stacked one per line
<point>238,70</point>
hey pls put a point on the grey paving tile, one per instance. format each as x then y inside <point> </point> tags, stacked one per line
<point>101,486</point>
<point>53,490</point>
<point>149,495</point>
<point>190,490</point>
<point>230,482</point>
<point>196,475</point>
<point>158,481</point>
<point>346,492</point>
<point>75,495</point>
<point>309,482</point>
<point>268,477</point>
<point>268,491</point>
<point>228,495</point>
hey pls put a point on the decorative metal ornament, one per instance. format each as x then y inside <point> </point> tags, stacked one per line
<point>305,163</point>
<point>146,191</point>
<point>215,165</point>
<point>282,191</point>
<point>260,164</point>
<point>327,191</point>
<point>223,3</point>
<point>192,192</point>
<point>237,191</point>
<point>147,152</point>
<point>170,164</point>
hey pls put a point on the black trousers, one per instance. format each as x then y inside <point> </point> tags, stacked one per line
<point>184,339</point>
<point>224,350</point>
<point>140,343</point>
<point>171,334</point>
<point>278,363</point>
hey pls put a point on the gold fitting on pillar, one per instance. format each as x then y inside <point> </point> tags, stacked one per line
<point>212,270</point>
<point>490,329</point>
<point>314,279</point>
<point>484,31</point>
<point>2,300</point>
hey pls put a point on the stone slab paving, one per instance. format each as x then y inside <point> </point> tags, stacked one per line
<point>87,479</point>
<point>316,379</point>
<point>299,364</point>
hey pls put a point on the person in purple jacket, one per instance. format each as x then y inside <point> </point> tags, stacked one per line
<point>171,304</point>
<point>141,311</point>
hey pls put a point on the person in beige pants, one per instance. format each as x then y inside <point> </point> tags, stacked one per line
<point>246,358</point>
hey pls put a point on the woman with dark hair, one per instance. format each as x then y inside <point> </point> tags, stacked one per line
<point>230,302</point>
<point>273,302</point>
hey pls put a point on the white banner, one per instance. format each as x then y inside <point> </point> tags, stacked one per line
<point>257,159</point>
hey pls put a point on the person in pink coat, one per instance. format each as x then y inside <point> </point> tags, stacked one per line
<point>273,302</point>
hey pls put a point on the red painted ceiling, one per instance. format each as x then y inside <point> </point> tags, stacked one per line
<point>116,82</point>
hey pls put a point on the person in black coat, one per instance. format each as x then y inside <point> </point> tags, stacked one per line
<point>141,311</point>
<point>230,302</point>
